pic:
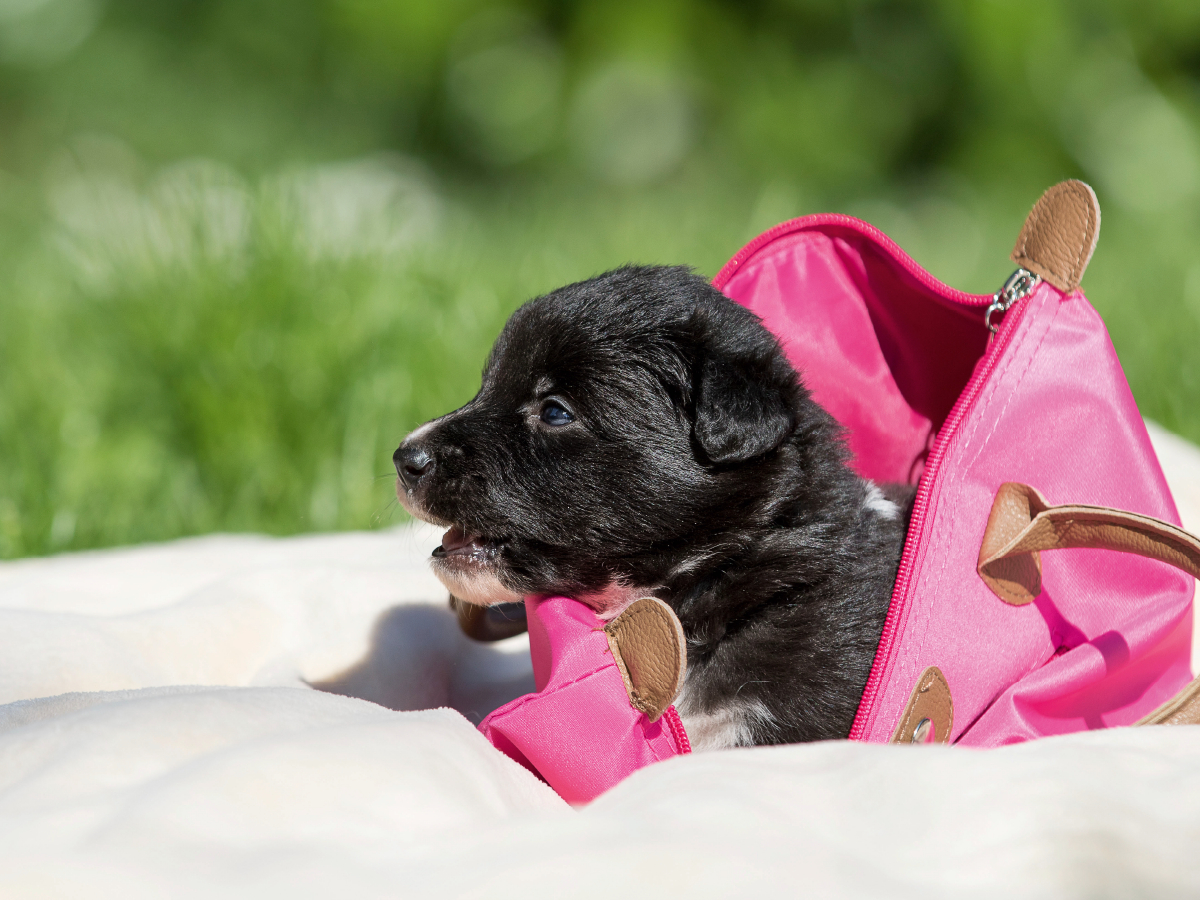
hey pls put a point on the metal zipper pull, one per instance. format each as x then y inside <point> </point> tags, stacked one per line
<point>1020,284</point>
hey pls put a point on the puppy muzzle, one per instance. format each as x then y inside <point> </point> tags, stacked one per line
<point>467,563</point>
<point>413,463</point>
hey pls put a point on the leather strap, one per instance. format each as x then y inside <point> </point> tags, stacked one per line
<point>1060,234</point>
<point>929,716</point>
<point>1022,524</point>
<point>1182,709</point>
<point>648,644</point>
<point>489,623</point>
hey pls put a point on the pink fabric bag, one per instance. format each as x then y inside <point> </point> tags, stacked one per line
<point>580,732</point>
<point>910,368</point>
<point>987,641</point>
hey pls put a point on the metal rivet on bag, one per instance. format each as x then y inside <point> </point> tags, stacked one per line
<point>923,733</point>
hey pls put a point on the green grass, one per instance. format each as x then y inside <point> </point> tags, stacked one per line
<point>201,329</point>
<point>265,387</point>
<point>262,383</point>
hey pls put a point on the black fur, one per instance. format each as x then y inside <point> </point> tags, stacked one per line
<point>697,468</point>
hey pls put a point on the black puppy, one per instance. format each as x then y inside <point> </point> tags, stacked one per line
<point>641,434</point>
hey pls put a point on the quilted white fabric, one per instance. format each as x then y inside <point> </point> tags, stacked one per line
<point>161,738</point>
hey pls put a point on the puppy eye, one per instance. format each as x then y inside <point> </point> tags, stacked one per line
<point>555,415</point>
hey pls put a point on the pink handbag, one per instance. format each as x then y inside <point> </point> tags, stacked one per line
<point>602,709</point>
<point>991,405</point>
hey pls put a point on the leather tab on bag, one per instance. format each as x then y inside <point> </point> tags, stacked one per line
<point>1015,579</point>
<point>648,644</point>
<point>489,623</point>
<point>1182,709</point>
<point>1059,234</point>
<point>929,716</point>
<point>1022,524</point>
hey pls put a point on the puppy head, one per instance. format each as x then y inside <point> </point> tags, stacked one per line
<point>618,419</point>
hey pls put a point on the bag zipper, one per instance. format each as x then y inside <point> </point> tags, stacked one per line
<point>865,229</point>
<point>1019,285</point>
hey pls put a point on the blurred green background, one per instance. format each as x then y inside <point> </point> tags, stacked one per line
<point>245,245</point>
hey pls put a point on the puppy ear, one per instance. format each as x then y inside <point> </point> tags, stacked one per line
<point>743,407</point>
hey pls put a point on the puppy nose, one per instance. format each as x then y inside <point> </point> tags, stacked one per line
<point>412,463</point>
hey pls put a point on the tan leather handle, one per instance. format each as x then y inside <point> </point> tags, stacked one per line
<point>1022,524</point>
<point>648,645</point>
<point>489,623</point>
<point>1060,234</point>
<point>1182,709</point>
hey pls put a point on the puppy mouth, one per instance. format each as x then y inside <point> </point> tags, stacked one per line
<point>461,547</point>
<point>470,565</point>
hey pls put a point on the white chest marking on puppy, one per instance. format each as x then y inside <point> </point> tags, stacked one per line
<point>879,504</point>
<point>729,726</point>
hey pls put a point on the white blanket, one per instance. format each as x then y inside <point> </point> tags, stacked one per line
<point>179,751</point>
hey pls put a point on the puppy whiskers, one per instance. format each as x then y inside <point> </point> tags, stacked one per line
<point>744,683</point>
